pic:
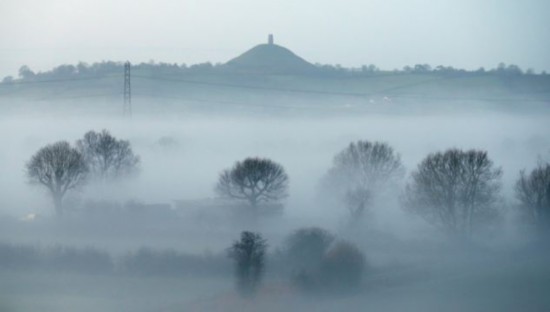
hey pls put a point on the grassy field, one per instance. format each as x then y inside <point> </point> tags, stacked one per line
<point>58,292</point>
<point>237,93</point>
<point>519,284</point>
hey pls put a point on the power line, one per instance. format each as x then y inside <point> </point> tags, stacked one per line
<point>454,99</point>
<point>385,98</point>
<point>240,86</point>
<point>71,97</point>
<point>240,104</point>
<point>383,92</point>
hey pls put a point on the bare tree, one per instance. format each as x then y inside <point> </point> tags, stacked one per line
<point>249,256</point>
<point>255,180</point>
<point>107,157</point>
<point>360,171</point>
<point>533,192</point>
<point>455,189</point>
<point>60,168</point>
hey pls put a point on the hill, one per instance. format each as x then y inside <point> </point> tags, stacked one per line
<point>271,78</point>
<point>270,59</point>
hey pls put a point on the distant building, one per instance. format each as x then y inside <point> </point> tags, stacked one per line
<point>270,39</point>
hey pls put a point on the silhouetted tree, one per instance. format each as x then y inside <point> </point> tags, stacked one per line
<point>510,70</point>
<point>25,72</point>
<point>60,168</point>
<point>82,68</point>
<point>422,68</point>
<point>255,180</point>
<point>107,157</point>
<point>454,189</point>
<point>7,80</point>
<point>370,69</point>
<point>533,192</point>
<point>249,256</point>
<point>63,71</point>
<point>360,171</point>
<point>480,70</point>
<point>444,69</point>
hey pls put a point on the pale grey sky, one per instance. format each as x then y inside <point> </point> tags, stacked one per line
<point>388,33</point>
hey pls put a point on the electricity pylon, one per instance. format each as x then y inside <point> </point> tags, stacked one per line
<point>127,107</point>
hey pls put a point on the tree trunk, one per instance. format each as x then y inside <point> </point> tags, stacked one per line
<point>254,204</point>
<point>254,213</point>
<point>58,204</point>
<point>357,213</point>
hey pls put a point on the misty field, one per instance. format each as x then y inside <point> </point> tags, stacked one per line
<point>511,285</point>
<point>181,158</point>
<point>46,291</point>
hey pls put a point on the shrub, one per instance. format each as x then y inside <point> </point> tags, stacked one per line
<point>305,249</point>
<point>342,267</point>
<point>249,256</point>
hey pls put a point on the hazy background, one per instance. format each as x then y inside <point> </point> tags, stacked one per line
<point>389,33</point>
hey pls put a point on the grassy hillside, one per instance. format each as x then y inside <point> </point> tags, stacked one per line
<point>269,58</point>
<point>222,90</point>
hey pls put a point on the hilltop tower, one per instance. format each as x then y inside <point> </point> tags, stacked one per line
<point>270,39</point>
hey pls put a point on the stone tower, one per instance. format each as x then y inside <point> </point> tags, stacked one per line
<point>270,39</point>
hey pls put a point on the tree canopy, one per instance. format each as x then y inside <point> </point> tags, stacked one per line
<point>533,192</point>
<point>306,247</point>
<point>60,168</point>
<point>360,171</point>
<point>249,255</point>
<point>255,180</point>
<point>455,189</point>
<point>108,158</point>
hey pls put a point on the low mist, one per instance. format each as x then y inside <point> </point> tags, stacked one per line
<point>160,239</point>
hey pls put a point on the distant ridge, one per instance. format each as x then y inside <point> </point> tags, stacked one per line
<point>270,58</point>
